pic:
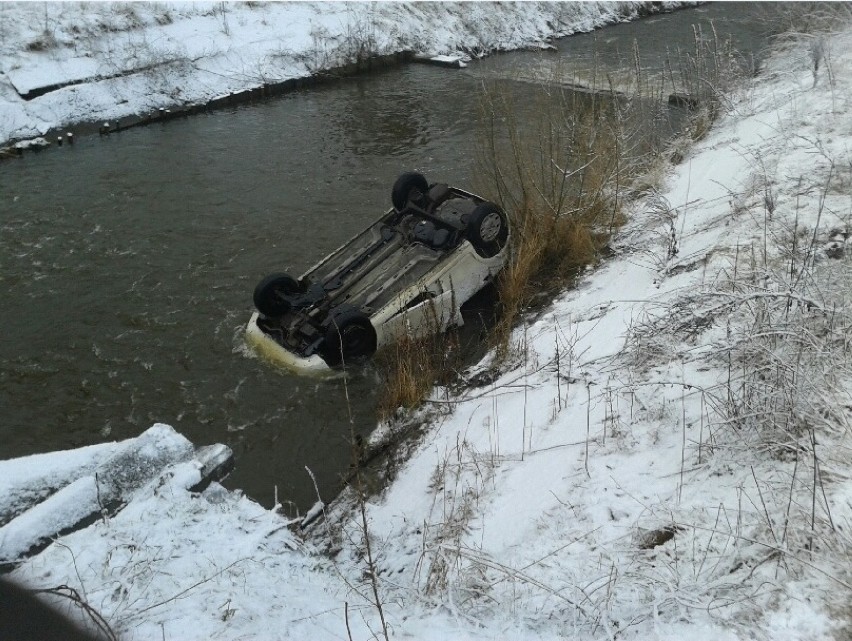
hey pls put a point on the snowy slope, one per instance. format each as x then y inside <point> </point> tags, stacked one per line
<point>102,60</point>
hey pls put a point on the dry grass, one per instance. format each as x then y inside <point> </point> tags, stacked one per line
<point>558,173</point>
<point>411,366</point>
<point>562,163</point>
<point>561,215</point>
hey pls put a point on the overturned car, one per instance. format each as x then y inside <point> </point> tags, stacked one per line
<point>407,274</point>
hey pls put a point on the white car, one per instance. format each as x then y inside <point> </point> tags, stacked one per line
<point>408,273</point>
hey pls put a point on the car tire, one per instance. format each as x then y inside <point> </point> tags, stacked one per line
<point>350,339</point>
<point>270,295</point>
<point>487,229</point>
<point>403,187</point>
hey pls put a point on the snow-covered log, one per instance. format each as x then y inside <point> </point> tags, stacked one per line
<point>45,495</point>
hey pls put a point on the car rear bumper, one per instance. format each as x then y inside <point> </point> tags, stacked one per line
<point>268,349</point>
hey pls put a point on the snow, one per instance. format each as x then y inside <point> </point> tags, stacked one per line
<point>68,506</point>
<point>102,61</point>
<point>537,500</point>
<point>29,478</point>
<point>679,471</point>
<point>49,493</point>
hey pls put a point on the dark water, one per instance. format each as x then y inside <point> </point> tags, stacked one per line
<point>127,263</point>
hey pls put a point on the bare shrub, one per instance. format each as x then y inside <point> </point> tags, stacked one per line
<point>787,21</point>
<point>706,75</point>
<point>562,163</point>
<point>327,51</point>
<point>44,42</point>
<point>359,40</point>
<point>560,177</point>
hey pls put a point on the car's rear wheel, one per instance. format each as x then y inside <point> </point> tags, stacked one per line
<point>270,295</point>
<point>350,339</point>
<point>487,229</point>
<point>403,187</point>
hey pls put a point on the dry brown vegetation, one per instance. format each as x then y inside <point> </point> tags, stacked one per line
<point>558,177</point>
<point>563,163</point>
<point>412,366</point>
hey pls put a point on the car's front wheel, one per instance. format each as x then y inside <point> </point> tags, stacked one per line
<point>404,185</point>
<point>349,339</point>
<point>487,229</point>
<point>270,295</point>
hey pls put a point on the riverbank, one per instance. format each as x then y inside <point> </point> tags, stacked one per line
<point>667,458</point>
<point>63,65</point>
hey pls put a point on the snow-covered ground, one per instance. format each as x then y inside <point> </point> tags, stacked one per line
<point>97,61</point>
<point>667,459</point>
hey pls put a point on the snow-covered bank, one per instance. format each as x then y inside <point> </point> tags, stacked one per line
<point>68,62</point>
<point>676,468</point>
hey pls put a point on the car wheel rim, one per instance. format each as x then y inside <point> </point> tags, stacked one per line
<point>355,340</point>
<point>490,227</point>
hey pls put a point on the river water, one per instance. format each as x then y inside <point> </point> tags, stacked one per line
<point>127,262</point>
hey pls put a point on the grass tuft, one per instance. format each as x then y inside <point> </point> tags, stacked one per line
<point>411,366</point>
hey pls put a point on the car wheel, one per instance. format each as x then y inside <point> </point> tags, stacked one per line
<point>487,229</point>
<point>349,339</point>
<point>270,295</point>
<point>403,187</point>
